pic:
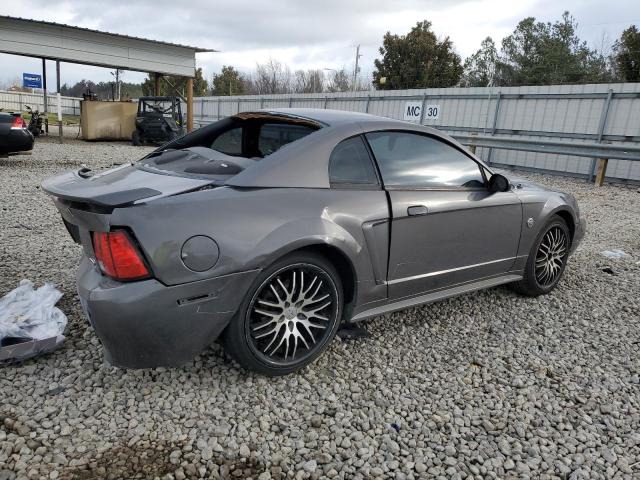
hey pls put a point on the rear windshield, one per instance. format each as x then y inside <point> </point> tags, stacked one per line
<point>227,147</point>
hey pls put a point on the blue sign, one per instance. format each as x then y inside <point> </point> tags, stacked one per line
<point>31,80</point>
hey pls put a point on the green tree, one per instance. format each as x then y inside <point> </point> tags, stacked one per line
<point>538,53</point>
<point>339,81</point>
<point>104,90</point>
<point>480,68</point>
<point>626,55</point>
<point>168,82</point>
<point>227,82</point>
<point>416,60</point>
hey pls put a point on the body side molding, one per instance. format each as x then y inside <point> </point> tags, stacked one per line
<point>434,296</point>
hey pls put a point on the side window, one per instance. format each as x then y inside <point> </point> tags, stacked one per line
<point>414,160</point>
<point>350,163</point>
<point>229,142</point>
<point>274,136</point>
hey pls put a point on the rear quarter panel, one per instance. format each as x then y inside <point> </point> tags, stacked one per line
<point>255,227</point>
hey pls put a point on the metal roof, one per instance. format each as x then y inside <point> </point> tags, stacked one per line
<point>56,41</point>
<point>159,42</point>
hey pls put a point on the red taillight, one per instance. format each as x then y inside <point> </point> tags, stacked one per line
<point>18,123</point>
<point>118,257</point>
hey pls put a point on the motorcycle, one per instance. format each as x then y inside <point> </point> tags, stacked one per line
<point>36,122</point>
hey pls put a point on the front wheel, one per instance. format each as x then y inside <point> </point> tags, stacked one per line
<point>289,316</point>
<point>135,138</point>
<point>547,259</point>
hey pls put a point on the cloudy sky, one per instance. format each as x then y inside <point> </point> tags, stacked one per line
<point>321,34</point>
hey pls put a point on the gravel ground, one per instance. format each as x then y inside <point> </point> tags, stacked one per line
<point>487,385</point>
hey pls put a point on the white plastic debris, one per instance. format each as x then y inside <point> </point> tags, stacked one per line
<point>30,323</point>
<point>615,253</point>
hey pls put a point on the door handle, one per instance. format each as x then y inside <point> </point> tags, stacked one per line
<point>415,210</point>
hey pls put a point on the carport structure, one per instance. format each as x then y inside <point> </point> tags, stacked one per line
<point>66,43</point>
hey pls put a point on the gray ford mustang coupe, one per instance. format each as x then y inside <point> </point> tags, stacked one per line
<point>270,228</point>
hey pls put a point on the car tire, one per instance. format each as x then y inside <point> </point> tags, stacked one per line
<point>547,259</point>
<point>135,138</point>
<point>294,308</point>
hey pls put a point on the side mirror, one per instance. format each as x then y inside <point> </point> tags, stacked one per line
<point>498,183</point>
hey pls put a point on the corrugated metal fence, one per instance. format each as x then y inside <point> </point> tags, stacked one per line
<point>572,113</point>
<point>15,101</point>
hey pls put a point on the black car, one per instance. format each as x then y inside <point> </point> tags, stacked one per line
<point>14,136</point>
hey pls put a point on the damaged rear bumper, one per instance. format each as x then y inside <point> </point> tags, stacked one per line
<point>146,324</point>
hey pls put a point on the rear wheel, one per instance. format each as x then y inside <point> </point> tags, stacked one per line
<point>289,316</point>
<point>547,259</point>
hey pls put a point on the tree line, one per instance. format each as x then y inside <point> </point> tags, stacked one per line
<point>275,77</point>
<point>104,90</point>
<point>535,53</point>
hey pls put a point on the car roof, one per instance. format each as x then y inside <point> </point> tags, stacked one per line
<point>305,162</point>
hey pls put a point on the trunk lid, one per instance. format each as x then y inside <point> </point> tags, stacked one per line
<point>117,187</point>
<point>86,199</point>
<point>161,174</point>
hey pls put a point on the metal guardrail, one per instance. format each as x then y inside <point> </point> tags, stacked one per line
<point>578,149</point>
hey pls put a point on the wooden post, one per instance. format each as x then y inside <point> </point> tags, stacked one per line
<point>156,84</point>
<point>601,128</point>
<point>472,147</point>
<point>496,114</point>
<point>189,104</point>
<point>59,100</point>
<point>602,171</point>
<point>44,96</point>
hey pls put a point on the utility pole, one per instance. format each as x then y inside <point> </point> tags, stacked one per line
<point>356,70</point>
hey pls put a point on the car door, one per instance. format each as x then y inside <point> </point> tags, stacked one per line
<point>357,194</point>
<point>446,228</point>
